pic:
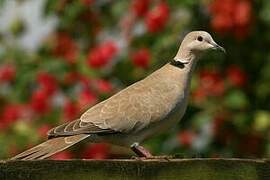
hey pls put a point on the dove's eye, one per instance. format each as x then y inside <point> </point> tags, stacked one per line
<point>200,38</point>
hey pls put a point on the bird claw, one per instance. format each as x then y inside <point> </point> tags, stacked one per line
<point>166,158</point>
<point>138,158</point>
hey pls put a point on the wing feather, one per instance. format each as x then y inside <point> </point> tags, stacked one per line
<point>77,127</point>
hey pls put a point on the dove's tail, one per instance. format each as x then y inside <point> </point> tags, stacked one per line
<point>50,147</point>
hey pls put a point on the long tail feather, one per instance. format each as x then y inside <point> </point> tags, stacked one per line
<point>50,147</point>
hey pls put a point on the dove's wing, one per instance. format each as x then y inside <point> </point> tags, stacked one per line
<point>130,110</point>
<point>77,127</point>
<point>136,107</point>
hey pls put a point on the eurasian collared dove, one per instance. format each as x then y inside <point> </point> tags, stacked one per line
<point>146,108</point>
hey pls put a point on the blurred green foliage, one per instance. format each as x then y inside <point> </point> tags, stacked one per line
<point>229,107</point>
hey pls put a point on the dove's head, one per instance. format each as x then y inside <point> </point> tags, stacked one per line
<point>198,41</point>
<point>194,43</point>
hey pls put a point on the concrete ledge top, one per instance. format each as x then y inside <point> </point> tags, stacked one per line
<point>184,169</point>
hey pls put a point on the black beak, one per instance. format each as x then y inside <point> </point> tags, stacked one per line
<point>218,47</point>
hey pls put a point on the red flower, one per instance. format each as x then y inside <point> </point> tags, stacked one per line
<point>186,137</point>
<point>141,58</point>
<point>103,86</point>
<point>241,32</point>
<point>65,47</point>
<point>243,12</point>
<point>140,7</point>
<point>87,2</point>
<point>211,83</point>
<point>231,16</point>
<point>85,81</point>
<point>39,101</point>
<point>7,72</point>
<point>71,110</point>
<point>156,19</point>
<point>47,83</point>
<point>95,59</point>
<point>62,155</point>
<point>10,114</point>
<point>225,7</point>
<point>71,78</point>
<point>199,95</point>
<point>108,49</point>
<point>222,12</point>
<point>222,23</point>
<point>86,98</point>
<point>97,151</point>
<point>101,55</point>
<point>242,18</point>
<point>236,76</point>
<point>43,130</point>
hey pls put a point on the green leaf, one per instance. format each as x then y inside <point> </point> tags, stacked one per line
<point>201,119</point>
<point>236,99</point>
<point>262,120</point>
<point>242,121</point>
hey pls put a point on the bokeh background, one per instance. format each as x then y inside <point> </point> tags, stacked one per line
<point>58,58</point>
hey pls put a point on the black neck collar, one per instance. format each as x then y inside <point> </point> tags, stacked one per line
<point>178,64</point>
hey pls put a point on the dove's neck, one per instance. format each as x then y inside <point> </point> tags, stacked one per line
<point>182,75</point>
<point>185,55</point>
<point>187,58</point>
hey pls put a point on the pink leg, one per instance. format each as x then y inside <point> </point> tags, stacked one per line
<point>145,154</point>
<point>141,151</point>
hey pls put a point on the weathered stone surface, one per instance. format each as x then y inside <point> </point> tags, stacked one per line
<point>184,169</point>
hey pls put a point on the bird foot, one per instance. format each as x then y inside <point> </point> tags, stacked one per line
<point>140,151</point>
<point>166,158</point>
<point>144,154</point>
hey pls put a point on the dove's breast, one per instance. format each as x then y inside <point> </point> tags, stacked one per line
<point>169,119</point>
<point>170,107</point>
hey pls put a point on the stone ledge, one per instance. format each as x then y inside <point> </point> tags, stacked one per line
<point>184,169</point>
